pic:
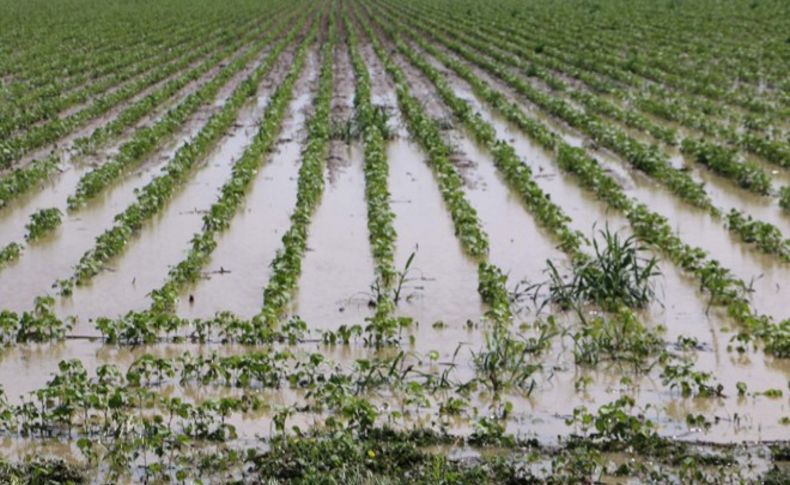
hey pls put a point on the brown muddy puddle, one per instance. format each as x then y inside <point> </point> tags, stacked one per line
<point>245,251</point>
<point>338,269</point>
<point>443,286</point>
<point>165,239</point>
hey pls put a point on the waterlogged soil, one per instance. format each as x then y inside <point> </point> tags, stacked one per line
<point>165,240</point>
<point>766,273</point>
<point>440,289</point>
<point>679,308</point>
<point>239,268</point>
<point>338,269</point>
<point>52,258</point>
<point>54,192</point>
<point>518,245</point>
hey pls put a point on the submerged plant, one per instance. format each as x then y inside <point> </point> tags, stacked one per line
<point>10,252</point>
<point>505,361</point>
<point>619,337</point>
<point>691,382</point>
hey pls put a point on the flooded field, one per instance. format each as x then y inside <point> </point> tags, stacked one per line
<point>394,241</point>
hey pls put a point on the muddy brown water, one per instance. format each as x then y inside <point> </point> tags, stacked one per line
<point>165,239</point>
<point>767,275</point>
<point>443,287</point>
<point>239,268</point>
<point>680,309</point>
<point>50,259</point>
<point>338,268</point>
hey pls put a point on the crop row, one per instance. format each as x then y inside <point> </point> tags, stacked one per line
<point>287,263</point>
<point>232,194</point>
<point>468,229</point>
<point>648,159</point>
<point>153,197</point>
<point>44,108</point>
<point>673,107</point>
<point>635,72</point>
<point>145,140</point>
<point>372,124</point>
<point>40,135</point>
<point>492,282</point>
<point>716,281</point>
<point>21,180</point>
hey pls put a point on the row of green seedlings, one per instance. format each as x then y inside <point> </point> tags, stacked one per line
<point>637,73</point>
<point>287,263</point>
<point>145,105</point>
<point>13,148</point>
<point>145,140</point>
<point>371,121</point>
<point>594,103</point>
<point>505,362</point>
<point>473,238</point>
<point>661,70</point>
<point>232,194</point>
<point>644,158</point>
<point>721,286</point>
<point>153,197</point>
<point>666,106</point>
<point>62,91</point>
<point>635,342</point>
<point>95,57</point>
<point>746,174</point>
<point>21,180</point>
<point>15,118</point>
<point>766,245</point>
<point>725,161</point>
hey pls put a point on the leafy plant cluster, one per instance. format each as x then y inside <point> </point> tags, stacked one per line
<point>9,253</point>
<point>39,325</point>
<point>767,237</point>
<point>43,222</point>
<point>21,180</point>
<point>616,275</point>
<point>725,162</point>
